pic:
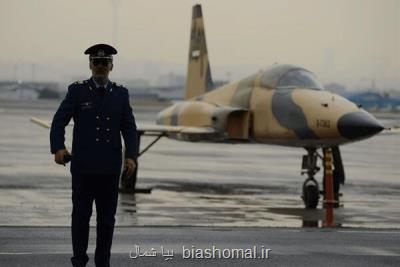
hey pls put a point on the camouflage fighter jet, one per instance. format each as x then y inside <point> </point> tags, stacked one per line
<point>282,105</point>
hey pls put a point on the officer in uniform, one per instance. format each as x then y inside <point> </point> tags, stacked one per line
<point>101,113</point>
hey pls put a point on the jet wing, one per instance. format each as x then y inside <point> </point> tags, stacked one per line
<point>150,129</point>
<point>43,123</point>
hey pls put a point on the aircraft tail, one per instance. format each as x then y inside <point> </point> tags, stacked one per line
<point>198,79</point>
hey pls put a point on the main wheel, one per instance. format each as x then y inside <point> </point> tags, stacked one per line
<point>310,194</point>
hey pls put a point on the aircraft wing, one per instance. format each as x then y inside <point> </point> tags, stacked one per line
<point>174,129</point>
<point>150,129</point>
<point>43,123</point>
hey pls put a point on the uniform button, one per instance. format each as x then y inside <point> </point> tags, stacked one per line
<point>97,128</point>
<point>108,141</point>
<point>97,117</point>
<point>108,118</point>
<point>97,139</point>
<point>108,129</point>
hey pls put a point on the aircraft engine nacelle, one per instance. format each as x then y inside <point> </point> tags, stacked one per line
<point>229,122</point>
<point>234,122</point>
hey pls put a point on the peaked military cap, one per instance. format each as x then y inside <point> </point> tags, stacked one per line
<point>101,51</point>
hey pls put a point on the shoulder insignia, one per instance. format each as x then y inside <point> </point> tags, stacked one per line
<point>117,84</point>
<point>81,82</point>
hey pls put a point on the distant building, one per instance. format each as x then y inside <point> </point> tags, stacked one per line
<point>11,90</point>
<point>136,83</point>
<point>171,80</point>
<point>156,93</point>
<point>374,101</point>
<point>336,88</point>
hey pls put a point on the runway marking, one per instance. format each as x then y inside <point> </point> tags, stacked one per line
<point>368,232</point>
<point>376,251</point>
<point>16,253</point>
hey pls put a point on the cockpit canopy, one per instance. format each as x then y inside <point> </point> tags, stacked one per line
<point>279,76</point>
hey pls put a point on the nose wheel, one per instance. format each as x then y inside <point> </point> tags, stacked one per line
<point>311,191</point>
<point>310,194</point>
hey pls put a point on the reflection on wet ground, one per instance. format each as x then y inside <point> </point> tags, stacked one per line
<point>199,184</point>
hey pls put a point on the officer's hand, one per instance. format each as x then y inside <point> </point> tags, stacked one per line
<point>130,167</point>
<point>59,156</point>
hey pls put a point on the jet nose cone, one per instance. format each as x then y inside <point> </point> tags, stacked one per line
<point>358,125</point>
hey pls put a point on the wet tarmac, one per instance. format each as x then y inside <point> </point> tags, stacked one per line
<point>196,184</point>
<point>187,246</point>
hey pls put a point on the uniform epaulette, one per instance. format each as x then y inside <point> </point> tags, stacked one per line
<point>117,84</point>
<point>81,82</point>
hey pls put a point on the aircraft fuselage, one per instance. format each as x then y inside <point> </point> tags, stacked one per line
<point>258,109</point>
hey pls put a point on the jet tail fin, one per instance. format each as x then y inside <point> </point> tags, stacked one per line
<point>198,79</point>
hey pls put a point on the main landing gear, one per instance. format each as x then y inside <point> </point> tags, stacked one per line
<point>311,190</point>
<point>128,183</point>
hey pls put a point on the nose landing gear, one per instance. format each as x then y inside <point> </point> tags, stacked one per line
<point>310,194</point>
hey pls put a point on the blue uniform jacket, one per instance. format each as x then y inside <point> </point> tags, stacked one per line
<point>98,124</point>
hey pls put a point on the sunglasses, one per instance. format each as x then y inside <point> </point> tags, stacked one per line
<point>101,61</point>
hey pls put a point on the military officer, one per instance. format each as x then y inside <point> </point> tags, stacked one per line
<point>101,111</point>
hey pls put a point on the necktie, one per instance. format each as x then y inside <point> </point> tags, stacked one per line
<point>101,91</point>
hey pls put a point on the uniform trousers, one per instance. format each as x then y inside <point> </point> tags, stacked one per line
<point>103,190</point>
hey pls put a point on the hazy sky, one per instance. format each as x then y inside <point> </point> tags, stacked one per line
<point>349,41</point>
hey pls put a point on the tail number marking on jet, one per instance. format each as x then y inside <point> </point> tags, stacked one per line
<point>323,123</point>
